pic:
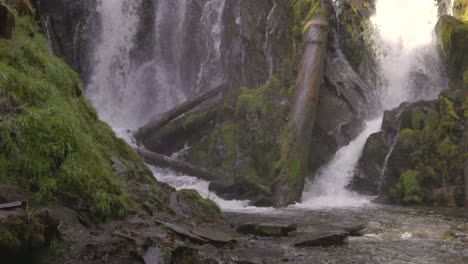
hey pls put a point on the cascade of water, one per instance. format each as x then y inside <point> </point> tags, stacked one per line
<point>182,57</point>
<point>329,187</point>
<point>411,69</point>
<point>407,53</point>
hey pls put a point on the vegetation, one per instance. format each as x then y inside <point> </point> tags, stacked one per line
<point>435,153</point>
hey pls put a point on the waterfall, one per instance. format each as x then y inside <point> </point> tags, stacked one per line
<point>144,68</point>
<point>411,69</point>
<point>329,187</point>
<point>410,64</point>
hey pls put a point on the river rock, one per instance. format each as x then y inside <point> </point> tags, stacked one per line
<point>266,230</point>
<point>324,239</point>
<point>7,22</point>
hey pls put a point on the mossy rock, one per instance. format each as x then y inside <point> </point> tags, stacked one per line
<point>196,208</point>
<point>453,40</point>
<point>460,9</point>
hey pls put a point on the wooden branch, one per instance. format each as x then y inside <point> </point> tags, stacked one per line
<point>166,162</point>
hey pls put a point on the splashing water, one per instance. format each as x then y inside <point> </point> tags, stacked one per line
<point>202,187</point>
<point>329,188</point>
<point>410,64</point>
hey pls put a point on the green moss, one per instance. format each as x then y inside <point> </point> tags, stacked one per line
<point>413,192</point>
<point>417,118</point>
<point>303,12</point>
<point>51,139</point>
<point>460,9</point>
<point>453,39</point>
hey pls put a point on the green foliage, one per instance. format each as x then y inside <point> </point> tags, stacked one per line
<point>249,131</point>
<point>412,189</point>
<point>417,118</point>
<point>51,140</point>
<point>303,12</point>
<point>435,156</point>
<point>460,9</point>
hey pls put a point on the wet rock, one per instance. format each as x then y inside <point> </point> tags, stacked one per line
<point>368,174</point>
<point>191,205</point>
<point>200,235</point>
<point>7,22</point>
<point>266,230</point>
<point>324,239</point>
<point>241,188</point>
<point>155,255</point>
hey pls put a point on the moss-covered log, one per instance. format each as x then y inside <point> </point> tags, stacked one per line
<point>296,141</point>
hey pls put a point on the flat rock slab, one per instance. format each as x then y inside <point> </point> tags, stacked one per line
<point>266,230</point>
<point>321,239</point>
<point>12,205</point>
<point>200,235</point>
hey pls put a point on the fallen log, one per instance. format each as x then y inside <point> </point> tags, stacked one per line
<point>180,110</point>
<point>166,162</point>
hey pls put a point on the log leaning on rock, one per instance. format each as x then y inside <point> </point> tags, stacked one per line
<point>175,165</point>
<point>296,142</point>
<point>180,110</point>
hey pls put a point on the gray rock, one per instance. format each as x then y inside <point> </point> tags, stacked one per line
<point>368,174</point>
<point>324,239</point>
<point>266,230</point>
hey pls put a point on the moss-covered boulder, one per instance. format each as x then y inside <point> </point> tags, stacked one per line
<point>427,162</point>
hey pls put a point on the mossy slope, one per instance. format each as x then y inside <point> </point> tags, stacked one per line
<point>52,142</point>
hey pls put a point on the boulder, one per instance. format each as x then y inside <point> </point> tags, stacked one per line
<point>368,175</point>
<point>321,239</point>
<point>7,22</point>
<point>241,188</point>
<point>191,205</point>
<point>266,230</point>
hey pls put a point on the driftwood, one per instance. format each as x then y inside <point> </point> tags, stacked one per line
<point>180,110</point>
<point>12,205</point>
<point>175,165</point>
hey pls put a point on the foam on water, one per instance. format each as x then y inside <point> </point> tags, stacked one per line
<point>329,188</point>
<point>180,182</point>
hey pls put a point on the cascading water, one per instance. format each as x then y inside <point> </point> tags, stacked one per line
<point>411,69</point>
<point>407,52</point>
<point>136,79</point>
<point>329,188</point>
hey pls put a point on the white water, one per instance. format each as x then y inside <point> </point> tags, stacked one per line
<point>411,69</point>
<point>108,87</point>
<point>407,52</point>
<point>202,187</point>
<point>329,188</point>
<point>405,48</point>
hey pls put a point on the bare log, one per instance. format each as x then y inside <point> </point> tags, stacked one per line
<point>180,110</point>
<point>175,165</point>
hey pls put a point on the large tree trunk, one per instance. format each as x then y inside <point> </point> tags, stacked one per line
<point>296,141</point>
